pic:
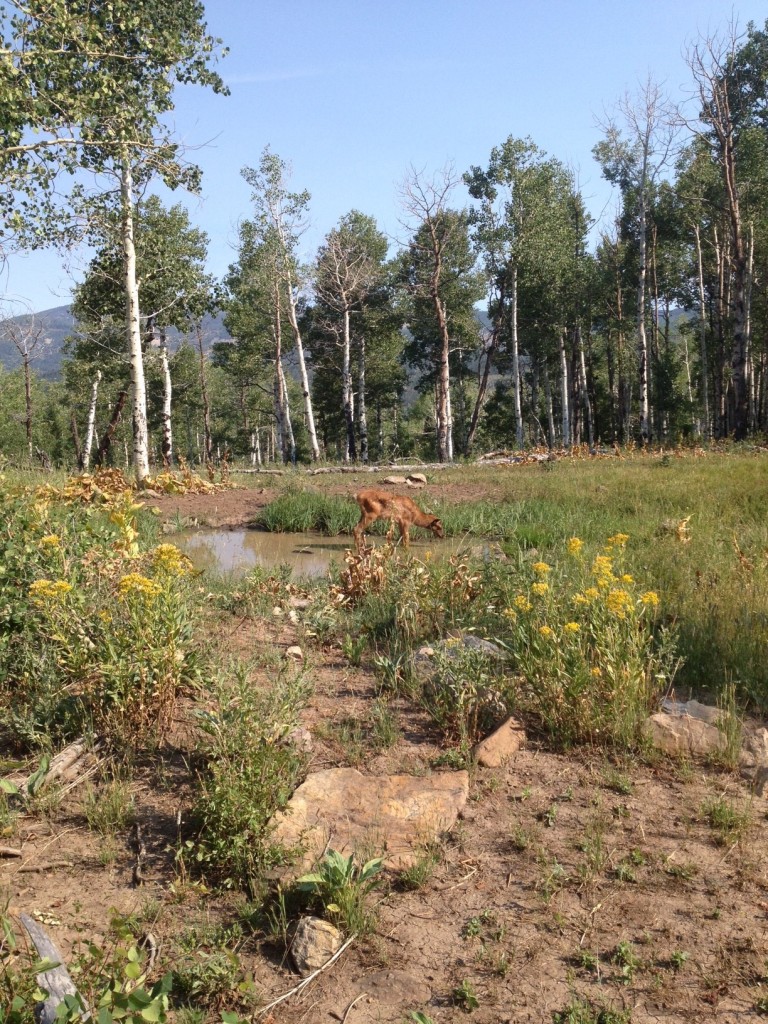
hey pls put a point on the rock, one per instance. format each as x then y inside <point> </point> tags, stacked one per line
<point>416,479</point>
<point>277,610</point>
<point>495,749</point>
<point>754,746</point>
<point>393,480</point>
<point>393,987</point>
<point>299,603</point>
<point>314,943</point>
<point>300,738</point>
<point>683,734</point>
<point>760,781</point>
<point>701,712</point>
<point>394,815</point>
<point>295,653</point>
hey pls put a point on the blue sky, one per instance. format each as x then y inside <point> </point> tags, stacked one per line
<point>354,92</point>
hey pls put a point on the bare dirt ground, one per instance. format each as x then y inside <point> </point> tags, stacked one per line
<point>567,876</point>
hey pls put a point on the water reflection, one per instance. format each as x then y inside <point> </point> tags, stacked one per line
<point>309,554</point>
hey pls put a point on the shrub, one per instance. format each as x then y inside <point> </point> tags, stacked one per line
<point>251,772</point>
<point>583,642</point>
<point>93,633</point>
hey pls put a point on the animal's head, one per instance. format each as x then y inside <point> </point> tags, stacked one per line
<point>437,528</point>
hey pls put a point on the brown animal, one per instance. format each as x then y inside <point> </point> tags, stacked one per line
<point>375,504</point>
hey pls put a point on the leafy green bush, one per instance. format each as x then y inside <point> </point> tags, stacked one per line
<point>251,771</point>
<point>583,643</point>
<point>93,632</point>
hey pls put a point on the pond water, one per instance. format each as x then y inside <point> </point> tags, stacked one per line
<point>309,554</point>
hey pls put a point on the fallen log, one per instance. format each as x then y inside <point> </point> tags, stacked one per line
<point>56,981</point>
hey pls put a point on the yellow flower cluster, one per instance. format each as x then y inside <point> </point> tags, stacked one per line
<point>650,598</point>
<point>135,583</point>
<point>539,589</point>
<point>522,603</point>
<point>42,591</point>
<point>590,594</point>
<point>602,570</point>
<point>618,540</point>
<point>575,545</point>
<point>541,568</point>
<point>167,558</point>
<point>619,602</point>
<point>546,631</point>
<point>572,627</point>
<point>50,540</point>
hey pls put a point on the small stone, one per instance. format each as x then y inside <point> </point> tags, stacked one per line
<point>418,479</point>
<point>295,653</point>
<point>760,781</point>
<point>495,749</point>
<point>393,987</point>
<point>299,603</point>
<point>314,944</point>
<point>393,480</point>
<point>293,616</point>
<point>277,610</point>
<point>300,738</point>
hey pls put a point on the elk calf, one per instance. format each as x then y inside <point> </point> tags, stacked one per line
<point>375,504</point>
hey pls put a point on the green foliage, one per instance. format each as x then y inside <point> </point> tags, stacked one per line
<point>582,637</point>
<point>729,822</point>
<point>342,887</point>
<point>93,632</point>
<point>110,808</point>
<point>298,511</point>
<point>579,1011</point>
<point>251,771</point>
<point>465,996</point>
<point>465,692</point>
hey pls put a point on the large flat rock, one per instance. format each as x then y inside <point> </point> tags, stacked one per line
<point>389,815</point>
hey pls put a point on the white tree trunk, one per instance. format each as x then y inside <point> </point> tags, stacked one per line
<point>90,429</point>
<point>287,417</point>
<point>350,453</point>
<point>133,328</point>
<point>516,362</point>
<point>167,446</point>
<point>566,394</point>
<point>585,392</point>
<point>294,322</point>
<point>362,415</point>
<point>642,340</point>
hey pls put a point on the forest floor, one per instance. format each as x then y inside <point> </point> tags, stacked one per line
<point>568,878</point>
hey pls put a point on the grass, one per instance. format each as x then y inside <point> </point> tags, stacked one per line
<point>711,572</point>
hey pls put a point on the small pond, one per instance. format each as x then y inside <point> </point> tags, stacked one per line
<point>310,554</point>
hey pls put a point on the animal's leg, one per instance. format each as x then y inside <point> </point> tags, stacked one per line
<point>404,532</point>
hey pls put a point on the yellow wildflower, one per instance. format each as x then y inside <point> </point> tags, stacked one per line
<point>591,593</point>
<point>571,627</point>
<point>541,568</point>
<point>42,591</point>
<point>511,614</point>
<point>539,589</point>
<point>105,616</point>
<point>167,558</point>
<point>650,597</point>
<point>50,540</point>
<point>135,583</point>
<point>595,672</point>
<point>619,539</point>
<point>602,567</point>
<point>626,578</point>
<point>575,545</point>
<point>546,631</point>
<point>618,602</point>
<point>522,603</point>
<point>580,599</point>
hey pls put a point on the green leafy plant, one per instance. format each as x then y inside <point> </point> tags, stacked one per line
<point>251,770</point>
<point>465,996</point>
<point>341,886</point>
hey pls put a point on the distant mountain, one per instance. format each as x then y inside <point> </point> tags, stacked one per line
<point>58,323</point>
